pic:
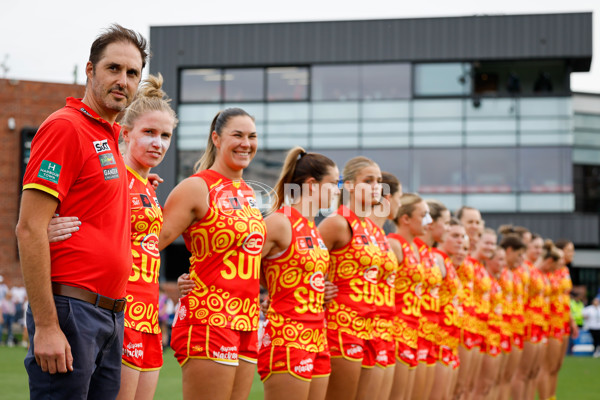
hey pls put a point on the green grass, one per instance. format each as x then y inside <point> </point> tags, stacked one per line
<point>578,378</point>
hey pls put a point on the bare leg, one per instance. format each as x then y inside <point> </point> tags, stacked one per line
<point>343,382</point>
<point>286,387</point>
<point>369,383</point>
<point>404,379</point>
<point>388,381</point>
<point>524,370</point>
<point>464,372</point>
<point>418,391</point>
<point>205,379</point>
<point>129,383</point>
<point>318,388</point>
<point>490,367</point>
<point>475,372</point>
<point>443,377</point>
<point>244,375</point>
<point>512,364</point>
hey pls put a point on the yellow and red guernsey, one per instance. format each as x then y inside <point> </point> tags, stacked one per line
<point>557,305</point>
<point>409,291</point>
<point>565,285</point>
<point>534,306</point>
<point>385,301</point>
<point>494,321</point>
<point>521,280</point>
<point>430,302</point>
<point>354,269</point>
<point>450,320</point>
<point>466,274</point>
<point>226,248</point>
<point>142,288</point>
<point>296,283</point>
<point>481,297</point>
<point>507,300</point>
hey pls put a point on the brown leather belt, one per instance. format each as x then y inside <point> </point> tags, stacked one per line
<point>114,305</point>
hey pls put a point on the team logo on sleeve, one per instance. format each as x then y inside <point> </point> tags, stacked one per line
<point>49,171</point>
<point>254,243</point>
<point>101,145</point>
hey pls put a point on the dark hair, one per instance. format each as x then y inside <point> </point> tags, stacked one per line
<point>116,33</point>
<point>436,208</point>
<point>509,229</point>
<point>513,241</point>
<point>297,168</point>
<point>562,243</point>
<point>455,222</point>
<point>218,122</point>
<point>392,183</point>
<point>460,211</point>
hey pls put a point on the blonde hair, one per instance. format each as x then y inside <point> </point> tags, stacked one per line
<point>219,121</point>
<point>550,250</point>
<point>408,203</point>
<point>150,97</point>
<point>297,168</point>
<point>351,171</point>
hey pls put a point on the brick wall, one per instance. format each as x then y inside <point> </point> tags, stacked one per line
<point>29,103</point>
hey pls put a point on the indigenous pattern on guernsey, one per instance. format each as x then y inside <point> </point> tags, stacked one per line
<point>520,284</point>
<point>466,274</point>
<point>507,299</point>
<point>449,321</point>
<point>354,269</point>
<point>296,282</point>
<point>385,299</point>
<point>534,307</point>
<point>481,297</point>
<point>546,308</point>
<point>430,302</point>
<point>142,287</point>
<point>494,321</point>
<point>409,291</point>
<point>557,308</point>
<point>226,249</point>
<point>565,285</point>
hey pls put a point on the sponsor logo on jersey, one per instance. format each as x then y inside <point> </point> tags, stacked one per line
<point>101,145</point>
<point>150,244</point>
<point>145,201</point>
<point>111,173</point>
<point>136,201</point>
<point>371,274</point>
<point>304,243</point>
<point>317,281</point>
<point>107,159</point>
<point>361,239</point>
<point>321,244</point>
<point>252,202</point>
<point>254,243</point>
<point>49,171</point>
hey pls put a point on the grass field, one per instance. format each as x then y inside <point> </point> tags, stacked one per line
<point>579,378</point>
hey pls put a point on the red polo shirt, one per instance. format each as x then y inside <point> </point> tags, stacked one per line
<point>75,157</point>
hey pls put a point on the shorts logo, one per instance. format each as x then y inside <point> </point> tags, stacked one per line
<point>371,274</point>
<point>408,355</point>
<point>279,364</point>
<point>150,245</point>
<point>354,349</point>
<point>107,159</point>
<point>305,365</point>
<point>111,173</point>
<point>226,353</point>
<point>254,243</point>
<point>101,145</point>
<point>317,281</point>
<point>133,350</point>
<point>49,171</point>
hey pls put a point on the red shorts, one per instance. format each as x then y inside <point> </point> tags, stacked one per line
<point>347,346</point>
<point>206,342</point>
<point>448,357</point>
<point>534,334</point>
<point>427,352</point>
<point>518,341</point>
<point>567,328</point>
<point>142,351</point>
<point>378,352</point>
<point>491,350</point>
<point>506,343</point>
<point>301,364</point>
<point>406,355</point>
<point>557,332</point>
<point>470,340</point>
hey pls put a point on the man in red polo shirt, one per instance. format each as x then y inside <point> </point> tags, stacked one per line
<point>76,287</point>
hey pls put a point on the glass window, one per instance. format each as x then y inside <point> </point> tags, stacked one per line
<point>545,170</point>
<point>288,111</point>
<point>490,170</point>
<point>447,79</point>
<point>437,171</point>
<point>245,84</point>
<point>287,83</point>
<point>335,111</point>
<point>488,202</point>
<point>385,109</point>
<point>558,202</point>
<point>394,161</point>
<point>200,85</point>
<point>335,82</point>
<point>450,108</point>
<point>385,81</point>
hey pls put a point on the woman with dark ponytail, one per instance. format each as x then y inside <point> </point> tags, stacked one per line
<point>293,359</point>
<point>214,333</point>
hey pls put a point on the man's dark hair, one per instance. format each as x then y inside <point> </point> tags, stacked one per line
<point>116,33</point>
